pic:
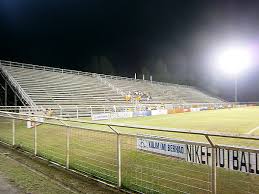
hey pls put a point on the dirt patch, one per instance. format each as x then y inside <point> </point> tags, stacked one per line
<point>6,187</point>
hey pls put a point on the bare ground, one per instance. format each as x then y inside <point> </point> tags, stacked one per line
<point>6,187</point>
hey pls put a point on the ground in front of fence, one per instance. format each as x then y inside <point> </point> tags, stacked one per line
<point>28,175</point>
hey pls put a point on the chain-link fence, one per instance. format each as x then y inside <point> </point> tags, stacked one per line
<point>140,159</point>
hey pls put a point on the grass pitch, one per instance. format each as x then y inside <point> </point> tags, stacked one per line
<point>235,120</point>
<point>231,121</point>
<point>94,152</point>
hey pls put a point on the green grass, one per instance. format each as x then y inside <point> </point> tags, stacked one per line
<point>94,152</point>
<point>237,120</point>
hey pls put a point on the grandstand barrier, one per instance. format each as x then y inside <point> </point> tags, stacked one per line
<point>120,115</point>
<point>113,115</point>
<point>195,109</point>
<point>136,158</point>
<point>101,116</point>
<point>73,111</point>
<point>142,113</point>
<point>159,112</point>
<point>186,110</point>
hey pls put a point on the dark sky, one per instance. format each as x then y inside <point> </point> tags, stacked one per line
<point>172,40</point>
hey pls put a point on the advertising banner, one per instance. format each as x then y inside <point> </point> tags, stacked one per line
<point>101,116</point>
<point>236,160</point>
<point>161,147</point>
<point>142,113</point>
<point>159,112</point>
<point>195,109</point>
<point>118,115</point>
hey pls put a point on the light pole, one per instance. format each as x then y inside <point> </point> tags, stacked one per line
<point>233,61</point>
<point>236,88</point>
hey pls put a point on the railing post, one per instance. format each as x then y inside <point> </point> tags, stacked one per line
<point>119,159</point>
<point>13,128</point>
<point>67,147</point>
<point>35,139</point>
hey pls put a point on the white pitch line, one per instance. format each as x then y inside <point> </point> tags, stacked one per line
<point>253,130</point>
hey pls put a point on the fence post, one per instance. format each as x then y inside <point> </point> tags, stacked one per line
<point>13,127</point>
<point>77,112</point>
<point>68,147</point>
<point>119,159</point>
<point>214,171</point>
<point>35,139</point>
<point>213,166</point>
<point>118,156</point>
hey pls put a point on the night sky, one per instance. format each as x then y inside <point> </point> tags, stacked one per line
<point>174,41</point>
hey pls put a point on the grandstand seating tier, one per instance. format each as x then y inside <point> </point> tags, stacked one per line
<point>56,88</point>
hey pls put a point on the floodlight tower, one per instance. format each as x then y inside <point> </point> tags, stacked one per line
<point>234,61</point>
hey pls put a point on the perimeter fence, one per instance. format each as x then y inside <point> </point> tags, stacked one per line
<point>137,158</point>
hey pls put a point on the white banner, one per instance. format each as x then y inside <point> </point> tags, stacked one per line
<point>161,147</point>
<point>117,115</point>
<point>226,158</point>
<point>242,161</point>
<point>195,109</point>
<point>159,112</point>
<point>101,116</point>
<point>34,121</point>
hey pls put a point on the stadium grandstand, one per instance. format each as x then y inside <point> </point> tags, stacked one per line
<point>61,89</point>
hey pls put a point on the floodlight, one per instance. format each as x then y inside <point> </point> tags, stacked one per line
<point>234,60</point>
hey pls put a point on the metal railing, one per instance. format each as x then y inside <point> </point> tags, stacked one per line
<point>77,111</point>
<point>107,83</point>
<point>59,70</point>
<point>17,86</point>
<point>115,154</point>
<point>72,111</point>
